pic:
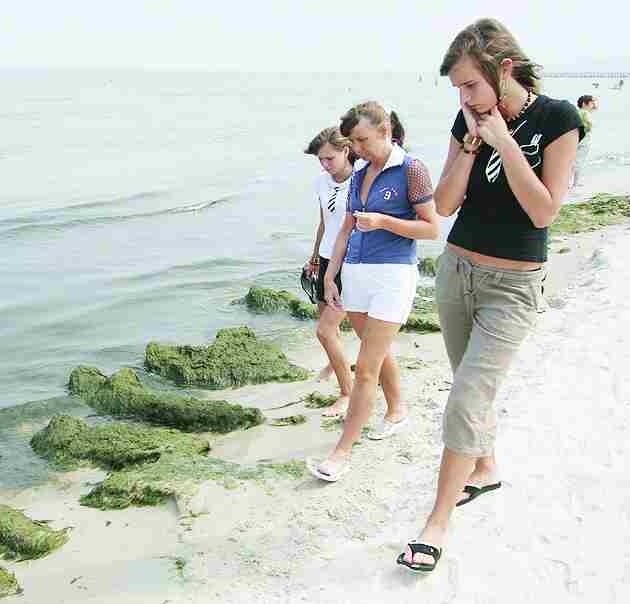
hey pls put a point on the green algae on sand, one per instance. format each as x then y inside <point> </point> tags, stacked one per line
<point>24,539</point>
<point>69,443</point>
<point>236,357</point>
<point>172,475</point>
<point>428,266</point>
<point>146,464</point>
<point>8,584</point>
<point>600,211</point>
<point>289,420</point>
<point>424,315</point>
<point>317,400</point>
<point>123,395</point>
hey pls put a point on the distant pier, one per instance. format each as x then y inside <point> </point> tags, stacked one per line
<point>597,75</point>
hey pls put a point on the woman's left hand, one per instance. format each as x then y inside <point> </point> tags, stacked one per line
<point>492,128</point>
<point>368,221</point>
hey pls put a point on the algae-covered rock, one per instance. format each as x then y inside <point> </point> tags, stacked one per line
<point>123,395</point>
<point>25,539</point>
<point>599,211</point>
<point>235,358</point>
<point>8,584</point>
<point>316,400</point>
<point>69,443</point>
<point>147,464</point>
<point>427,266</point>
<point>151,484</point>
<point>267,300</point>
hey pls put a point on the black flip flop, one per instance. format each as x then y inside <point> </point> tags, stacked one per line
<point>420,548</point>
<point>474,492</point>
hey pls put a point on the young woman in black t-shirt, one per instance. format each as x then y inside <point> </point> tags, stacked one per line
<point>507,171</point>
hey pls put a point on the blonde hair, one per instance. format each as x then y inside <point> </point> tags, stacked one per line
<point>376,114</point>
<point>488,42</point>
<point>331,136</point>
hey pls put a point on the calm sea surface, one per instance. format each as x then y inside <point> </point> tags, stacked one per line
<point>137,206</point>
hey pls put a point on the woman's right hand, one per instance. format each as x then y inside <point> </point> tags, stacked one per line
<point>332,295</point>
<point>312,267</point>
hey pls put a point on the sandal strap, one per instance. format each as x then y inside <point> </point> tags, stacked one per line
<point>470,489</point>
<point>423,548</point>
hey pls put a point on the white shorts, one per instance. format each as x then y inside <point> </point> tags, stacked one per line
<point>383,291</point>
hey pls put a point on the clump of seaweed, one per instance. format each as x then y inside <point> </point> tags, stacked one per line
<point>8,584</point>
<point>69,443</point>
<point>123,395</point>
<point>266,300</point>
<point>601,210</point>
<point>146,465</point>
<point>428,266</point>
<point>236,357</point>
<point>317,400</point>
<point>24,539</point>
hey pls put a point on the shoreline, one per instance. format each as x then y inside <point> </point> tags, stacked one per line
<point>278,541</point>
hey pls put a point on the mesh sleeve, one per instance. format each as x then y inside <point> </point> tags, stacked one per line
<point>418,183</point>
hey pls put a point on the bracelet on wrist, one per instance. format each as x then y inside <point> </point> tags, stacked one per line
<point>471,144</point>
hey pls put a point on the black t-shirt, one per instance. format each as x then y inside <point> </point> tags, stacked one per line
<point>491,221</point>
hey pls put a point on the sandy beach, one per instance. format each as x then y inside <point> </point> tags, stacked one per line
<point>557,532</point>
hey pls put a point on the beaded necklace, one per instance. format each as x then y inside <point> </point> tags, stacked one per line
<point>526,104</point>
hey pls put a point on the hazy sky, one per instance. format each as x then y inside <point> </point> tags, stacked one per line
<point>300,35</point>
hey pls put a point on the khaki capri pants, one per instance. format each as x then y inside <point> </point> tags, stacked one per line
<point>485,314</point>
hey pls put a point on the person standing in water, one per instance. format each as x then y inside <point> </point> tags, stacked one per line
<point>390,205</point>
<point>507,171</point>
<point>586,105</point>
<point>331,192</point>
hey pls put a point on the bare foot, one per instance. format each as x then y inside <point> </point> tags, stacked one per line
<point>431,535</point>
<point>397,415</point>
<point>325,373</point>
<point>339,407</point>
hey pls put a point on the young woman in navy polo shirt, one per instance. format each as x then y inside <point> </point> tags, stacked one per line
<point>390,205</point>
<point>507,171</point>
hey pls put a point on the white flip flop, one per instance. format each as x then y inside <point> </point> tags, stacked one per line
<point>387,429</point>
<point>331,472</point>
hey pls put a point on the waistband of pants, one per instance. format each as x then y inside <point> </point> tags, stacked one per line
<point>462,264</point>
